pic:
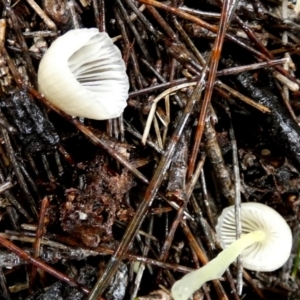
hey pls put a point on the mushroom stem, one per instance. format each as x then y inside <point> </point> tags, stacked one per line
<point>187,285</point>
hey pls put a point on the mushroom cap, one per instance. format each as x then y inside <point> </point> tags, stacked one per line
<point>265,256</point>
<point>83,74</point>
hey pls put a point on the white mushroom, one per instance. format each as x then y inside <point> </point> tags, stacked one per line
<point>83,74</point>
<point>265,245</point>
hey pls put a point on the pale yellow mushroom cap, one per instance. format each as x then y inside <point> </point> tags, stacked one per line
<point>265,245</point>
<point>84,75</point>
<point>265,256</point>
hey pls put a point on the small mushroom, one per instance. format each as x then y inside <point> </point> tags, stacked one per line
<point>84,75</point>
<point>265,245</point>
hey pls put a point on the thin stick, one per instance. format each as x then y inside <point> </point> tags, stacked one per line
<point>224,72</point>
<point>2,29</point>
<point>294,87</point>
<point>167,118</point>
<point>40,264</point>
<point>71,7</point>
<point>157,131</point>
<point>3,284</point>
<point>237,188</point>
<point>39,234</point>
<point>150,194</point>
<point>154,105</point>
<point>42,14</point>
<point>227,11</point>
<point>102,26</point>
<point>100,250</point>
<point>142,266</point>
<point>16,166</point>
<point>242,97</point>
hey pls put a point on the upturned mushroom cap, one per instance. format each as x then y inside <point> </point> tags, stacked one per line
<point>84,75</point>
<point>271,253</point>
